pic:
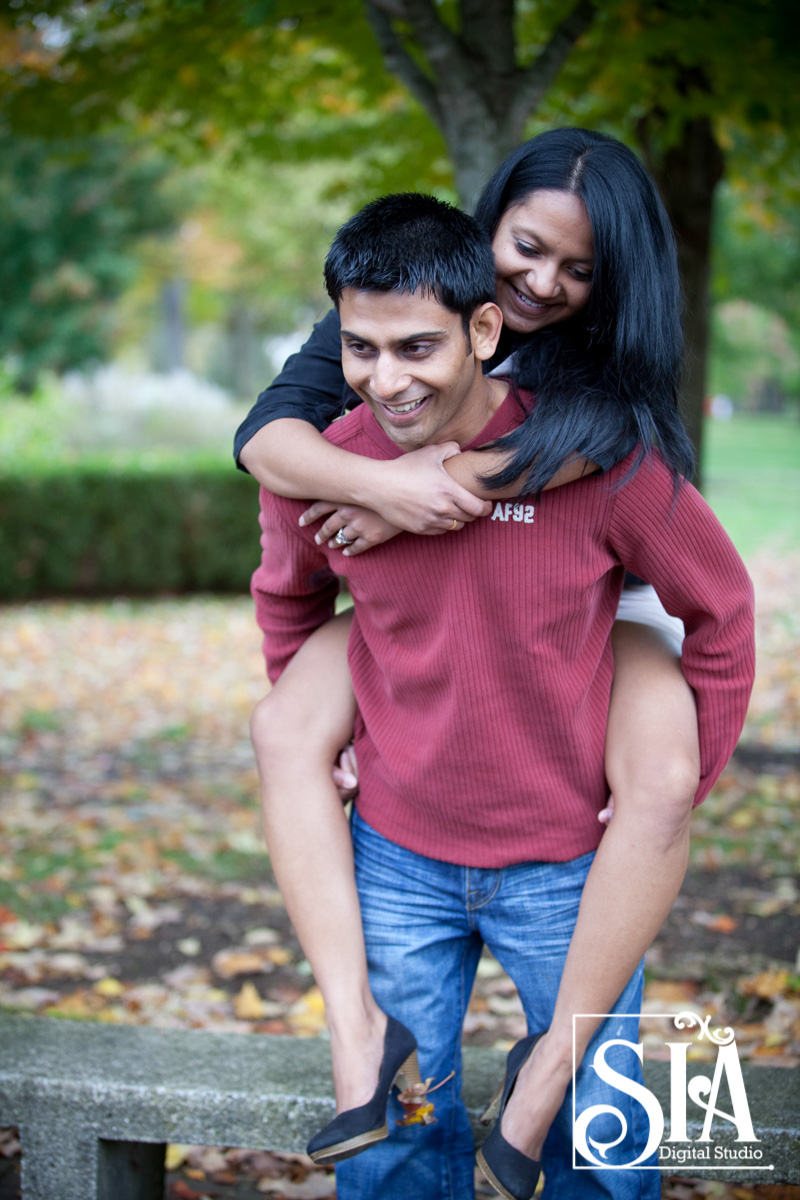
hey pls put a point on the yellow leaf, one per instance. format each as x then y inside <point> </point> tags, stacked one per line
<point>766,986</point>
<point>177,1153</point>
<point>278,955</point>
<point>248,1005</point>
<point>109,987</point>
<point>22,935</point>
<point>242,960</point>
<point>307,1016</point>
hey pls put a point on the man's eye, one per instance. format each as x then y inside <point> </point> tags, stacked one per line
<point>417,348</point>
<point>357,348</point>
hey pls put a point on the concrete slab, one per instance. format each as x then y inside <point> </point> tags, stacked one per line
<point>96,1103</point>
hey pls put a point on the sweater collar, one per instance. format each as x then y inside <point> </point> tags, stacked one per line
<point>511,413</point>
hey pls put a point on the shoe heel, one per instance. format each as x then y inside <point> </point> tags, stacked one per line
<point>492,1108</point>
<point>408,1074</point>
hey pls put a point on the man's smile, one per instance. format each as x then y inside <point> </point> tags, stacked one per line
<point>400,410</point>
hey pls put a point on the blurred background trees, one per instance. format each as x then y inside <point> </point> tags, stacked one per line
<point>74,214</point>
<point>267,122</point>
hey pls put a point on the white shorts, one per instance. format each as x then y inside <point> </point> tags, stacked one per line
<point>642,606</point>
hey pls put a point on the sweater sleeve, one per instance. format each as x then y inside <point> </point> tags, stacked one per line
<point>294,588</point>
<point>311,386</point>
<point>679,545</point>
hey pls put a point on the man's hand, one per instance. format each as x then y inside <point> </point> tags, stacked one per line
<point>415,493</point>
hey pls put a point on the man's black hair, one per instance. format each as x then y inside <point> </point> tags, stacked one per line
<point>606,380</point>
<point>413,243</point>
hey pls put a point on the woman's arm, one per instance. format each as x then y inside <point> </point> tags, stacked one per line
<point>413,492</point>
<point>310,387</point>
<point>467,467</point>
<point>366,526</point>
<point>280,444</point>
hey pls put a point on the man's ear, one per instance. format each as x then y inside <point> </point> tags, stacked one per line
<point>484,327</point>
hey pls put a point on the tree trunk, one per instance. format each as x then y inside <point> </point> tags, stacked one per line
<point>173,294</point>
<point>468,78</point>
<point>477,145</point>
<point>687,176</point>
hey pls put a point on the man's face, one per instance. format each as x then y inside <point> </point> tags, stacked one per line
<point>408,358</point>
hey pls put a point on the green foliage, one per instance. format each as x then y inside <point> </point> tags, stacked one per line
<point>87,531</point>
<point>654,66</point>
<point>757,247</point>
<point>755,357</point>
<point>752,480</point>
<point>72,211</point>
<point>273,82</point>
<point>114,422</point>
<point>755,351</point>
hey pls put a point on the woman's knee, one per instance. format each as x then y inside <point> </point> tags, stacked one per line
<point>271,729</point>
<point>659,805</point>
<point>652,747</point>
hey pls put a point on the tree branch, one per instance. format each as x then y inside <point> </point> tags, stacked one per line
<point>443,50</point>
<point>397,59</point>
<point>487,33</point>
<point>534,81</point>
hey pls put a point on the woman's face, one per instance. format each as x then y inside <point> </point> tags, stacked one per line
<point>544,256</point>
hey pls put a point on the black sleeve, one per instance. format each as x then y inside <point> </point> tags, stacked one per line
<point>311,386</point>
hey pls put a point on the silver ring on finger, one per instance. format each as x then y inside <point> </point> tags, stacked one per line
<point>342,539</point>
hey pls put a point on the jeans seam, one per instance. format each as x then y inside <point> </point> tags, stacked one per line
<point>454,1099</point>
<point>471,908</point>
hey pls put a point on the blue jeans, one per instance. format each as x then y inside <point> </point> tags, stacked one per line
<point>425,924</point>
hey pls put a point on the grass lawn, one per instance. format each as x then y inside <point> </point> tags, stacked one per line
<point>752,480</point>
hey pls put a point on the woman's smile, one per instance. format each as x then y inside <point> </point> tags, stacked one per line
<point>544,255</point>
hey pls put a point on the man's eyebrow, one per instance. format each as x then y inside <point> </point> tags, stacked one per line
<point>428,335</point>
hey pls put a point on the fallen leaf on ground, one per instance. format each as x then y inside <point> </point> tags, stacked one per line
<point>243,960</point>
<point>248,1005</point>
<point>317,1186</point>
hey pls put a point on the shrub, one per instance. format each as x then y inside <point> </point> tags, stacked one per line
<point>89,531</point>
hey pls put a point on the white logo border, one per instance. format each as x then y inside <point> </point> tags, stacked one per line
<point>691,1167</point>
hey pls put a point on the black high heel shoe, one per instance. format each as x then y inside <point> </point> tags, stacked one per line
<point>358,1128</point>
<point>510,1172</point>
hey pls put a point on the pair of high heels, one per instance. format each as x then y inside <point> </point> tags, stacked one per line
<point>358,1128</point>
<point>510,1172</point>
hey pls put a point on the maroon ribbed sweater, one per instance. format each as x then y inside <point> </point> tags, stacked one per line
<point>482,663</point>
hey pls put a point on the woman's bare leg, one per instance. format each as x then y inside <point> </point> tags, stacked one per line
<point>652,766</point>
<point>298,731</point>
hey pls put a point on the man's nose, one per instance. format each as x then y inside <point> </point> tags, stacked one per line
<point>388,378</point>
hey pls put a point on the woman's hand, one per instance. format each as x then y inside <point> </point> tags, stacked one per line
<point>606,813</point>
<point>362,528</point>
<point>345,773</point>
<point>415,493</point>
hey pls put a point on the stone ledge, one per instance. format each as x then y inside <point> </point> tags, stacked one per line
<point>83,1094</point>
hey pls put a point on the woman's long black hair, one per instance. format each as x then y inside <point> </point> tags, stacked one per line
<point>605,381</point>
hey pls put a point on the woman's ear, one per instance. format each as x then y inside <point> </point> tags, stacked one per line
<point>484,327</point>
